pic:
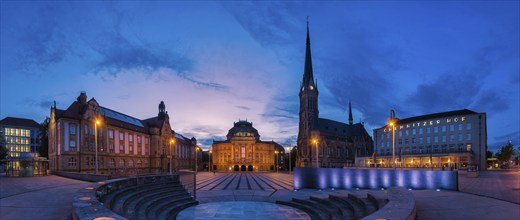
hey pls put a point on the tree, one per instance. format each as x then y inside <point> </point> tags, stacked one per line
<point>43,149</point>
<point>505,153</point>
<point>489,154</point>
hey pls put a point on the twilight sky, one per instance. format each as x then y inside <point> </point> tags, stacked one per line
<point>214,63</point>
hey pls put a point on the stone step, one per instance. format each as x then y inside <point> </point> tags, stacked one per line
<point>112,196</point>
<point>357,209</point>
<point>122,204</point>
<point>171,211</point>
<point>314,213</point>
<point>145,203</point>
<point>155,209</point>
<point>345,211</point>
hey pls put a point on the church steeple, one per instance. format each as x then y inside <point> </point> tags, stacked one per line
<point>350,120</point>
<point>308,78</point>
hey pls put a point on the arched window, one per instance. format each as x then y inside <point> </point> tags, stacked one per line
<point>73,162</point>
<point>131,163</point>
<point>139,163</point>
<point>121,163</point>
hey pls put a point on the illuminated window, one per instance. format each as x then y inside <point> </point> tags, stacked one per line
<point>139,139</point>
<point>428,130</point>
<point>420,131</point>
<point>468,147</point>
<point>436,129</point>
<point>131,137</point>
<point>421,140</point>
<point>459,126</point>
<point>436,139</point>
<point>452,127</point>
<point>413,131</point>
<point>468,137</point>
<point>468,126</point>
<point>110,134</point>
<point>121,136</point>
<point>72,145</point>
<point>444,128</point>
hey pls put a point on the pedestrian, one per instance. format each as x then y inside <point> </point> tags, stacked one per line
<point>213,172</point>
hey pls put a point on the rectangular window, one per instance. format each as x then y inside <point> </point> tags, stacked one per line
<point>459,127</point>
<point>468,126</point>
<point>131,137</point>
<point>406,132</point>
<point>85,128</point>
<point>428,130</point>
<point>110,134</point>
<point>436,139</point>
<point>421,140</point>
<point>452,127</point>
<point>428,140</point>
<point>400,133</point>
<point>400,141</point>
<point>436,129</point>
<point>72,129</point>
<point>460,137</point>
<point>443,138</point>
<point>121,136</point>
<point>413,131</point>
<point>452,138</point>
<point>420,131</point>
<point>121,148</point>
<point>139,139</point>
<point>444,128</point>
<point>468,137</point>
<point>111,147</point>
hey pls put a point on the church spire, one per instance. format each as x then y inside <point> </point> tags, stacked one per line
<point>308,78</point>
<point>350,120</point>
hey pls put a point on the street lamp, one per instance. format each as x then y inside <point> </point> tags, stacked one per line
<point>209,161</point>
<point>289,148</point>
<point>95,143</point>
<point>276,161</point>
<point>172,141</point>
<point>392,123</point>
<point>196,149</point>
<point>315,141</point>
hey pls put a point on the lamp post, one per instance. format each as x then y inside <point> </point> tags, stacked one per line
<point>392,123</point>
<point>196,149</point>
<point>172,141</point>
<point>315,141</point>
<point>276,159</point>
<point>95,143</point>
<point>209,155</point>
<point>289,149</point>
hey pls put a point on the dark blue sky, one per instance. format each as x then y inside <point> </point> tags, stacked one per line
<point>216,62</point>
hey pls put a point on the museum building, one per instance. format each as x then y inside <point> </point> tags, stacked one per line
<point>244,151</point>
<point>446,140</point>
<point>323,142</point>
<point>125,145</point>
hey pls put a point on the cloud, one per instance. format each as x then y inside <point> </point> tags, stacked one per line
<point>243,107</point>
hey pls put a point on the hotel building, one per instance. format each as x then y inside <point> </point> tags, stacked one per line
<point>244,151</point>
<point>125,145</point>
<point>446,140</point>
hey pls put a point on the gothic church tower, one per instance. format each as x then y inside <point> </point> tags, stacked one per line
<point>308,110</point>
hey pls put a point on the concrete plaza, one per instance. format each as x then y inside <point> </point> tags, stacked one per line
<point>493,195</point>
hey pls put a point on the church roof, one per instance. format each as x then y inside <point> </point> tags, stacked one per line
<point>308,78</point>
<point>337,128</point>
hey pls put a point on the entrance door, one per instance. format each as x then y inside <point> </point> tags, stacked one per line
<point>236,168</point>
<point>250,168</point>
<point>243,168</point>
